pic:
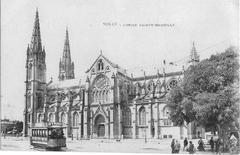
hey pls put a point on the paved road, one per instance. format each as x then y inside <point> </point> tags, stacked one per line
<point>135,146</point>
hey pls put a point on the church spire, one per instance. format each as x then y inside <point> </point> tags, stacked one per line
<point>36,44</point>
<point>66,66</point>
<point>66,50</point>
<point>194,57</point>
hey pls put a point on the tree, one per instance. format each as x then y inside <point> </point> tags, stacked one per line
<point>209,94</point>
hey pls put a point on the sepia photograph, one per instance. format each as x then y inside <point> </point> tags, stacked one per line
<point>120,76</point>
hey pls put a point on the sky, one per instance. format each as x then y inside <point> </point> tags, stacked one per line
<point>211,24</point>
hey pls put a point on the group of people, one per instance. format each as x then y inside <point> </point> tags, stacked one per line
<point>189,146</point>
<point>218,145</point>
<point>175,146</point>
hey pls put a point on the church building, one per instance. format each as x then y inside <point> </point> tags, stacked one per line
<point>106,103</point>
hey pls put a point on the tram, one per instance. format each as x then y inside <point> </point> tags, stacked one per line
<point>50,137</point>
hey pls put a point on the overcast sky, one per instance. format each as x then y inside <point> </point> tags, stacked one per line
<point>212,24</point>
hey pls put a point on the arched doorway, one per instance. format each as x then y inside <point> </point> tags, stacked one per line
<point>100,125</point>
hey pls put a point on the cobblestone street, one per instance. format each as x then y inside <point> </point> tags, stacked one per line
<point>130,146</point>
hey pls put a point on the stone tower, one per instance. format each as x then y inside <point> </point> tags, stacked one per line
<point>66,66</point>
<point>194,57</point>
<point>35,77</point>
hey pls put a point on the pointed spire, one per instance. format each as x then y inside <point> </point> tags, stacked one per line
<point>66,66</point>
<point>36,44</point>
<point>194,57</point>
<point>66,50</point>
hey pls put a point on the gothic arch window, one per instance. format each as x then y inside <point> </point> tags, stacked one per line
<point>137,88</point>
<point>101,82</point>
<point>75,119</point>
<point>106,96</point>
<point>172,84</point>
<point>94,96</point>
<point>158,87</point>
<point>63,118</point>
<point>128,89</point>
<point>100,96</point>
<point>150,86</point>
<point>39,100</point>
<point>103,96</point>
<point>127,116</point>
<point>142,116</point>
<point>30,71</point>
<point>50,118</point>
<point>100,65</point>
<point>39,118</point>
<point>29,117</point>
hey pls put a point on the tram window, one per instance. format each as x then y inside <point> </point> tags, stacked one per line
<point>49,132</point>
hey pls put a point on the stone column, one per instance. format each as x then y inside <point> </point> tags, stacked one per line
<point>156,118</point>
<point>79,125</point>
<point>106,128</point>
<point>111,122</point>
<point>91,124</point>
<point>134,121</point>
<point>85,123</point>
<point>69,120</point>
<point>119,121</point>
<point>149,122</point>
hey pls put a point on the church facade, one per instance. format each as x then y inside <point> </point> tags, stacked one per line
<point>106,103</point>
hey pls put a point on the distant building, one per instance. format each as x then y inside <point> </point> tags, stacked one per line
<point>7,125</point>
<point>106,103</point>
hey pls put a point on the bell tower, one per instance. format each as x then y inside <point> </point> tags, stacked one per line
<point>35,77</point>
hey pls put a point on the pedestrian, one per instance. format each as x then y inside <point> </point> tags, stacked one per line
<point>211,144</point>
<point>216,145</point>
<point>185,144</point>
<point>172,145</point>
<point>177,147</point>
<point>191,149</point>
<point>200,145</point>
<point>219,146</point>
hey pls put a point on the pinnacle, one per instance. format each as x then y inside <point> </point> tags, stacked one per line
<point>36,44</point>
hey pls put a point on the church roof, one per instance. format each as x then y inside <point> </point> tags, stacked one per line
<point>152,72</point>
<point>72,83</point>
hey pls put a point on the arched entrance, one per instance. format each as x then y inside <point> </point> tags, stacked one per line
<point>100,125</point>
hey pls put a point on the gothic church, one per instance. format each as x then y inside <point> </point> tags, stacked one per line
<point>107,103</point>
